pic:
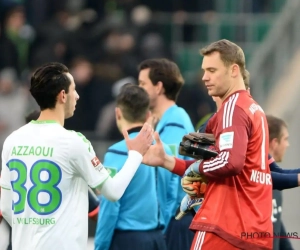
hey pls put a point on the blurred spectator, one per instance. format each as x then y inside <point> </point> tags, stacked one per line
<point>41,11</point>
<point>106,126</point>
<point>195,100</point>
<point>13,103</point>
<point>50,42</point>
<point>93,95</point>
<point>19,34</point>
<point>8,52</point>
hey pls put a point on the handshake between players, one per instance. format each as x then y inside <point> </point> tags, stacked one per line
<point>199,146</point>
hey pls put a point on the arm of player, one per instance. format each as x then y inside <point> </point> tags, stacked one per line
<point>284,181</point>
<point>107,220</point>
<point>84,161</point>
<point>283,178</point>
<point>275,168</point>
<point>96,175</point>
<point>114,188</point>
<point>233,143</point>
<point>156,156</point>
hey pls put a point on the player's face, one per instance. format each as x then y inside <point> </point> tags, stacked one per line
<point>146,84</point>
<point>72,98</point>
<point>216,75</point>
<point>281,145</point>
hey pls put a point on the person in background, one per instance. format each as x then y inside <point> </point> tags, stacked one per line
<point>136,220</point>
<point>162,80</point>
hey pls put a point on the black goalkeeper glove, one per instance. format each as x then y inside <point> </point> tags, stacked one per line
<point>198,146</point>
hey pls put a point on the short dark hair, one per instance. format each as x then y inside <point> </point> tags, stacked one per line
<point>134,103</point>
<point>34,115</point>
<point>47,82</point>
<point>275,125</point>
<point>167,72</point>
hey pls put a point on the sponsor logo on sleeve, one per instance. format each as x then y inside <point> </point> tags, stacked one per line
<point>97,163</point>
<point>226,140</point>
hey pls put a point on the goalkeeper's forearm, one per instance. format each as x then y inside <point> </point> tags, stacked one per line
<point>113,188</point>
<point>175,165</point>
<point>179,166</point>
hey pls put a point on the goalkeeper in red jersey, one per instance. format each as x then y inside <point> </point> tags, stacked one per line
<point>238,196</point>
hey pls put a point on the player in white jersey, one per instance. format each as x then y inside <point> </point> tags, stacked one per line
<point>46,170</point>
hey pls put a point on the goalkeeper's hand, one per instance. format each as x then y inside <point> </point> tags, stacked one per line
<point>187,204</point>
<point>198,146</point>
<point>193,186</point>
<point>193,183</point>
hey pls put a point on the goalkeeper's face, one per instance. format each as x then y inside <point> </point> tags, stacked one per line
<point>216,75</point>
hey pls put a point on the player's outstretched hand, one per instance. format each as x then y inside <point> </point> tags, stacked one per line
<point>155,156</point>
<point>142,141</point>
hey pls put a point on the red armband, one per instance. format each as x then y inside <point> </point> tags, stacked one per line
<point>181,166</point>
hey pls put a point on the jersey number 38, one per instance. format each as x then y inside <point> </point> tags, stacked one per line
<point>42,186</point>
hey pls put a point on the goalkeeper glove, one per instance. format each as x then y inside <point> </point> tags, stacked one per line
<point>187,204</point>
<point>198,146</point>
<point>194,183</point>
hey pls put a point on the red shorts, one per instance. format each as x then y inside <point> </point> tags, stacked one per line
<point>208,241</point>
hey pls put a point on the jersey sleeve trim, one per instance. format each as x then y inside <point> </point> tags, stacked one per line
<point>99,184</point>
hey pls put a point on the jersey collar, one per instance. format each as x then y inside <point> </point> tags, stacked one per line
<point>135,129</point>
<point>43,122</point>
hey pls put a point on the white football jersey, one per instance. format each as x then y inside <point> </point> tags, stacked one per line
<point>49,168</point>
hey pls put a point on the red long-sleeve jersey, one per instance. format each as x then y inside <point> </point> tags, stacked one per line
<point>238,198</point>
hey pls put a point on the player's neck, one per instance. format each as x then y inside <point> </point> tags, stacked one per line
<point>272,153</point>
<point>162,105</point>
<point>238,85</point>
<point>53,115</point>
<point>127,126</point>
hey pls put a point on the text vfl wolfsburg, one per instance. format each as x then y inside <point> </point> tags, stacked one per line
<point>34,221</point>
<point>32,150</point>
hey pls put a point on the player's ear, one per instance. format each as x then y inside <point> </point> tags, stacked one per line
<point>118,113</point>
<point>273,143</point>
<point>235,69</point>
<point>160,88</point>
<point>62,96</point>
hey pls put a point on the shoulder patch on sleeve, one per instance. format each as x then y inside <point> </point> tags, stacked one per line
<point>97,163</point>
<point>226,140</point>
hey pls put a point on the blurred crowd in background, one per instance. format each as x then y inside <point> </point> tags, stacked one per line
<point>101,42</point>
